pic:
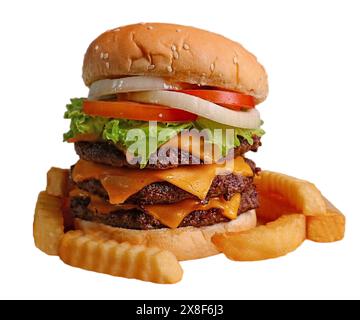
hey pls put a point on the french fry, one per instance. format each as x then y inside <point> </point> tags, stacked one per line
<point>94,252</point>
<point>48,225</point>
<point>57,182</point>
<point>300,194</point>
<point>321,226</point>
<point>272,207</point>
<point>329,227</point>
<point>272,240</point>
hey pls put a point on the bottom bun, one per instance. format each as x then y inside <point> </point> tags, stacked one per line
<point>186,243</point>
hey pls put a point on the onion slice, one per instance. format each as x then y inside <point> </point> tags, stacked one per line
<point>107,87</point>
<point>240,119</point>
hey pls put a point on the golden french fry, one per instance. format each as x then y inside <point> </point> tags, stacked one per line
<point>272,240</point>
<point>272,207</point>
<point>328,227</point>
<point>94,252</point>
<point>300,194</point>
<point>48,225</point>
<point>57,182</point>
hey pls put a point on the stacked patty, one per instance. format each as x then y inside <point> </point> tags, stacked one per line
<point>135,216</point>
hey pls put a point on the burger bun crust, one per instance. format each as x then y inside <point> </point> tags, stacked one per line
<point>186,243</point>
<point>175,52</point>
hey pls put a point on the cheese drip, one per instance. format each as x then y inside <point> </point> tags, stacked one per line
<point>170,215</point>
<point>121,183</point>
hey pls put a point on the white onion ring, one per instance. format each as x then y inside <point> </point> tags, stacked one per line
<point>129,84</point>
<point>241,119</point>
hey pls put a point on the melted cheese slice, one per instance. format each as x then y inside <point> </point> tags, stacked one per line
<point>171,215</point>
<point>99,205</point>
<point>121,183</point>
<point>194,144</point>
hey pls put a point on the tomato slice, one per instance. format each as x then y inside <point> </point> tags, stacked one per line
<point>231,100</point>
<point>136,111</point>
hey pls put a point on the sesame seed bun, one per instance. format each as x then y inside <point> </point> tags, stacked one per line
<point>176,52</point>
<point>185,243</point>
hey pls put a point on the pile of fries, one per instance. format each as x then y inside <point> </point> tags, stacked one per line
<point>291,211</point>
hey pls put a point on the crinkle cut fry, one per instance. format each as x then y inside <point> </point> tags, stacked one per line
<point>94,252</point>
<point>48,225</point>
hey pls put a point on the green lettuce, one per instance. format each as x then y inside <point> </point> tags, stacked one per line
<point>121,131</point>
<point>130,135</point>
<point>141,138</point>
<point>227,144</point>
<point>80,122</point>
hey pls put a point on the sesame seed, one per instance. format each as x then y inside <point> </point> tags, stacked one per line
<point>173,47</point>
<point>186,46</point>
<point>176,55</point>
<point>212,67</point>
<point>149,27</point>
<point>169,68</point>
<point>142,23</point>
<point>160,115</point>
<point>202,79</point>
<point>106,55</point>
<point>96,48</point>
<point>178,30</point>
<point>235,60</point>
<point>116,30</point>
<point>151,67</point>
<point>102,55</point>
<point>107,64</point>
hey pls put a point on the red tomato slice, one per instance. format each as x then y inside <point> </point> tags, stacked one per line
<point>231,100</point>
<point>136,111</point>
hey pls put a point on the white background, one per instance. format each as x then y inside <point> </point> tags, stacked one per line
<point>311,51</point>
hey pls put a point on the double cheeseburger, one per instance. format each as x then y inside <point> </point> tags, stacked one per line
<point>163,135</point>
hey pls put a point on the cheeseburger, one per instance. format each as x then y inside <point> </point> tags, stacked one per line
<point>163,137</point>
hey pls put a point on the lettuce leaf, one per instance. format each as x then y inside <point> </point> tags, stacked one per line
<point>121,131</point>
<point>80,122</point>
<point>129,134</point>
<point>227,144</point>
<point>134,135</point>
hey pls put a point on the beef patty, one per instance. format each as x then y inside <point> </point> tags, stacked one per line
<point>108,153</point>
<point>167,193</point>
<point>139,219</point>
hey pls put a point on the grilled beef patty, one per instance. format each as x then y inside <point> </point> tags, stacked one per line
<point>167,193</point>
<point>139,219</point>
<point>107,153</point>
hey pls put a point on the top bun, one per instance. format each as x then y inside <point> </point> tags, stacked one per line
<point>175,52</point>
